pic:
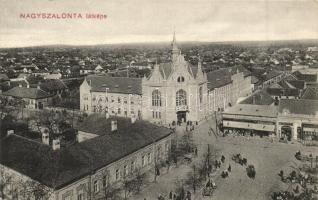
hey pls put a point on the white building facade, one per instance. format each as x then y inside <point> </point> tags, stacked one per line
<point>175,91</point>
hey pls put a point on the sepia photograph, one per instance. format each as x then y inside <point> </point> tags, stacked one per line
<point>158,100</point>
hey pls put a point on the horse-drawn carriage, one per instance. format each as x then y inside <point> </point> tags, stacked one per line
<point>209,188</point>
<point>237,158</point>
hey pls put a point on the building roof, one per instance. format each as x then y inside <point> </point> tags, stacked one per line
<point>167,68</point>
<point>259,98</point>
<point>24,92</point>
<point>53,85</point>
<point>115,84</point>
<point>62,167</point>
<point>222,77</point>
<point>218,78</point>
<point>298,106</point>
<point>4,77</point>
<point>305,77</point>
<point>252,110</point>
<point>310,93</point>
<point>283,92</point>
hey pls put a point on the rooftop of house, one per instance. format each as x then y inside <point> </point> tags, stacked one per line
<point>124,85</point>
<point>283,92</point>
<point>259,98</point>
<point>310,93</point>
<point>305,77</point>
<point>252,110</point>
<point>25,92</point>
<point>298,106</point>
<point>222,77</point>
<point>61,167</point>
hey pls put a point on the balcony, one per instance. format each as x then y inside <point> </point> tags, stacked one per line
<point>182,108</point>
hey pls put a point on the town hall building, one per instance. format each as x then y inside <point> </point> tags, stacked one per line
<point>174,91</point>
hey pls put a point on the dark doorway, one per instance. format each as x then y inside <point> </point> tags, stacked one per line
<point>286,132</point>
<point>40,105</point>
<point>182,116</point>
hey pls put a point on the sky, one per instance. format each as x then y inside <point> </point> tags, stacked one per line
<point>131,21</point>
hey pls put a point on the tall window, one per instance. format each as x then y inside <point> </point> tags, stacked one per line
<point>125,170</point>
<point>181,98</point>
<point>117,174</point>
<point>200,94</point>
<point>104,181</point>
<point>180,79</point>
<point>132,166</point>
<point>156,98</point>
<point>96,187</point>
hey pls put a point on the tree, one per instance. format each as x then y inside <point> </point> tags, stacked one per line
<point>34,190</point>
<point>193,178</point>
<point>5,181</point>
<point>109,192</point>
<point>128,186</point>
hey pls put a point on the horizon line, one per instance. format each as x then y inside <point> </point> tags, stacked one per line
<point>155,42</point>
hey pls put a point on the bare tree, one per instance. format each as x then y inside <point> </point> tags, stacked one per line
<point>5,181</point>
<point>193,179</point>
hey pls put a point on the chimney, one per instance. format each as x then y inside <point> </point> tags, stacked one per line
<point>133,119</point>
<point>45,138</point>
<point>56,144</point>
<point>10,132</point>
<point>114,125</point>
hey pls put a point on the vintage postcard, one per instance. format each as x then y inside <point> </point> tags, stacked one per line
<point>159,100</point>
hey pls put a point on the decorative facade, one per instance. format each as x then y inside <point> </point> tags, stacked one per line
<point>175,91</point>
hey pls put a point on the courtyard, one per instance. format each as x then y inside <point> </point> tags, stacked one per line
<point>268,157</point>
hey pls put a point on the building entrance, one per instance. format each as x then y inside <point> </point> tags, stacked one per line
<point>286,132</point>
<point>182,116</point>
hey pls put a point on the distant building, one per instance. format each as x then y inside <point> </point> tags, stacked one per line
<point>117,149</point>
<point>253,119</point>
<point>293,119</point>
<point>174,91</point>
<point>53,76</point>
<point>34,98</point>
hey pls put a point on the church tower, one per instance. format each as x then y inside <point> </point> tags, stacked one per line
<point>175,51</point>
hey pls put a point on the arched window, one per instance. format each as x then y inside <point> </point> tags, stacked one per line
<point>156,98</point>
<point>180,79</point>
<point>200,94</point>
<point>181,98</point>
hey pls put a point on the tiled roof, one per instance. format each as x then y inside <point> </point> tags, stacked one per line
<point>299,106</point>
<point>218,78</point>
<point>283,92</point>
<point>305,77</point>
<point>259,98</point>
<point>221,77</point>
<point>310,93</point>
<point>167,68</point>
<point>23,92</point>
<point>252,110</point>
<point>4,77</point>
<point>115,84</point>
<point>299,84</point>
<point>60,168</point>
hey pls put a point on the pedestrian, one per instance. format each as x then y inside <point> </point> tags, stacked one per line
<point>196,151</point>
<point>174,197</point>
<point>222,159</point>
<point>229,168</point>
<point>170,195</point>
